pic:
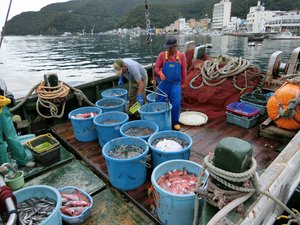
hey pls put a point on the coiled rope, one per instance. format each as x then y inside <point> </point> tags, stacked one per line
<point>248,178</point>
<point>215,72</point>
<point>53,97</point>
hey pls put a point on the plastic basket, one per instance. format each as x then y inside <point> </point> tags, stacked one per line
<point>262,109</point>
<point>256,97</point>
<point>46,158</point>
<point>77,220</point>
<point>42,143</point>
<point>243,109</point>
<point>241,121</point>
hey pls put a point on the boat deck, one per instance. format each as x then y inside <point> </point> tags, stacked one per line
<point>205,139</point>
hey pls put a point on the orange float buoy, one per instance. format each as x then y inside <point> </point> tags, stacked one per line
<point>284,107</point>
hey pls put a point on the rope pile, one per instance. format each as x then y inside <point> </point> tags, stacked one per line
<point>215,72</point>
<point>52,98</point>
<point>219,198</point>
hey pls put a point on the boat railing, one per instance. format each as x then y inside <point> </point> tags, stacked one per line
<point>10,206</point>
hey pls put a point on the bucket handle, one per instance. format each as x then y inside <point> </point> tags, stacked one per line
<point>145,161</point>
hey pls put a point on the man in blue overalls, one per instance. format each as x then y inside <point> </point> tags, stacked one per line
<point>171,67</point>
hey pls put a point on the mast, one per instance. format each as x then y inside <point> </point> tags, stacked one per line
<point>3,29</point>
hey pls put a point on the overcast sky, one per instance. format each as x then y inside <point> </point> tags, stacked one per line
<point>19,6</point>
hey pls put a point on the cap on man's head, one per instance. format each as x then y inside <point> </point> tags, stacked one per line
<point>171,42</point>
<point>118,64</point>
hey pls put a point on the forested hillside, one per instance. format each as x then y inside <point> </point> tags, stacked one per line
<point>76,15</point>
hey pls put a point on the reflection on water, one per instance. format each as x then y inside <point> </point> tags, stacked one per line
<point>80,59</point>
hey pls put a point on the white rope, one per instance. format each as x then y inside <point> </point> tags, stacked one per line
<point>215,72</point>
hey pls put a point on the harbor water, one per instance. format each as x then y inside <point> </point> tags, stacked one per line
<point>80,59</point>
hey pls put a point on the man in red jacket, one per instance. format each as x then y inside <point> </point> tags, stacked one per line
<point>171,67</point>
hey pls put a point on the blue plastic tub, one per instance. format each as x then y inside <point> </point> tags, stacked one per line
<point>175,209</point>
<point>126,174</point>
<point>84,129</point>
<point>107,132</point>
<point>77,220</point>
<point>159,156</point>
<point>139,123</point>
<point>115,93</point>
<point>117,104</point>
<point>158,112</point>
<point>151,97</point>
<point>41,191</point>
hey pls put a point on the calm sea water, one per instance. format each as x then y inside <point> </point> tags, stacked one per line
<point>79,59</point>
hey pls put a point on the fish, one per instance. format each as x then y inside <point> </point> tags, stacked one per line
<point>74,203</point>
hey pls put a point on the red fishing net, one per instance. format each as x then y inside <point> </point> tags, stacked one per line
<point>212,100</point>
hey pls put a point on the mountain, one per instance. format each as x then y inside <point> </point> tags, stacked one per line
<point>76,15</point>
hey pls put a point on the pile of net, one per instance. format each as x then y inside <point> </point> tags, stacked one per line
<point>213,83</point>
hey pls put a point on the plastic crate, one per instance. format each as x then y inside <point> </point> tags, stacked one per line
<point>243,109</point>
<point>48,157</point>
<point>262,108</point>
<point>45,149</point>
<point>42,143</point>
<point>241,121</point>
<point>80,219</point>
<point>257,98</point>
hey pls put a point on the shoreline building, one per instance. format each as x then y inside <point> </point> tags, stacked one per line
<point>284,22</point>
<point>257,17</point>
<point>221,15</point>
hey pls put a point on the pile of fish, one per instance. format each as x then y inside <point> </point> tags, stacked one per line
<point>110,104</point>
<point>74,203</point>
<point>109,122</point>
<point>178,182</point>
<point>84,115</point>
<point>35,210</point>
<point>139,131</point>
<point>125,152</point>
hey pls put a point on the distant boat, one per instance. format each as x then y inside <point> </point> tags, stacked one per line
<point>66,34</point>
<point>284,36</point>
<point>256,38</point>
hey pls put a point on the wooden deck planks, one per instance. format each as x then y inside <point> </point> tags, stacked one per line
<point>205,139</point>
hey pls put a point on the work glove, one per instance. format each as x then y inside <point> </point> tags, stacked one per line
<point>140,99</point>
<point>161,75</point>
<point>121,81</point>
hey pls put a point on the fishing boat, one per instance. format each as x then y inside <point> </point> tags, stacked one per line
<point>284,36</point>
<point>82,164</point>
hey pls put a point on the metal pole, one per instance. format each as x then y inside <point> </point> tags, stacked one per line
<point>3,30</point>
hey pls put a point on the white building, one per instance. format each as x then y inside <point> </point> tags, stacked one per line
<point>221,15</point>
<point>234,25</point>
<point>257,17</point>
<point>284,22</point>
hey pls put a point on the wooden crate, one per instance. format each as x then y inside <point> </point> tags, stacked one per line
<point>270,130</point>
